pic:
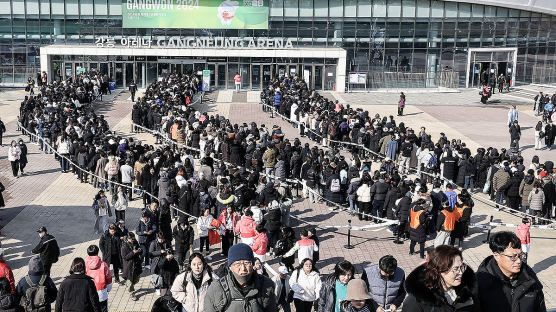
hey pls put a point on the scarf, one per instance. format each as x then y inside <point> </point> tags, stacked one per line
<point>353,309</point>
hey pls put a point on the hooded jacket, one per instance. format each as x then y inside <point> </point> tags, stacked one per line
<point>422,299</point>
<point>496,293</point>
<point>100,272</point>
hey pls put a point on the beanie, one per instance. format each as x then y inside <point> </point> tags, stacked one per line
<point>240,252</point>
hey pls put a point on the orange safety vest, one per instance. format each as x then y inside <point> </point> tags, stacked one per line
<point>414,216</point>
<point>460,211</point>
<point>450,219</point>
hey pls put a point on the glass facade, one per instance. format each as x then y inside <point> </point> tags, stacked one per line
<point>398,43</point>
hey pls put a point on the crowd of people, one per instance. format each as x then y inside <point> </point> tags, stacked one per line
<point>211,177</point>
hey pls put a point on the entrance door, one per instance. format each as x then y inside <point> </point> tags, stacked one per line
<point>129,74</point>
<point>119,74</point>
<point>308,76</point>
<point>318,77</point>
<point>255,77</point>
<point>281,70</point>
<point>221,76</point>
<point>267,74</point>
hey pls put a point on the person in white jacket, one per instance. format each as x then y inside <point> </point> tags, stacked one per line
<point>364,198</point>
<point>305,282</point>
<point>203,225</point>
<point>190,287</point>
<point>14,153</point>
<point>293,116</point>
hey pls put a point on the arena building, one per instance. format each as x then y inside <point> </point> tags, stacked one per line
<point>333,44</point>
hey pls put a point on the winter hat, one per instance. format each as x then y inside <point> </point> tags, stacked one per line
<point>240,252</point>
<point>357,290</point>
<point>36,266</point>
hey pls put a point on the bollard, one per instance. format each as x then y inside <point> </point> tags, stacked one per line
<point>488,233</point>
<point>349,246</point>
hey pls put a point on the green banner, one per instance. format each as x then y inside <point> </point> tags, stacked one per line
<point>207,14</point>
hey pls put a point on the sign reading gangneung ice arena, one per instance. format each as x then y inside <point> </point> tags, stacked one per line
<point>390,43</point>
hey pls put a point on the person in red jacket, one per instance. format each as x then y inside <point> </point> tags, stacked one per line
<point>229,220</point>
<point>261,243</point>
<point>246,228</point>
<point>6,271</point>
<point>100,272</point>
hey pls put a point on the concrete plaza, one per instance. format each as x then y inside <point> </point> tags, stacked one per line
<point>58,201</point>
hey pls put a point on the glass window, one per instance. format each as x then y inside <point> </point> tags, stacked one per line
<point>290,8</point>
<point>321,8</point>
<point>379,8</point>
<point>394,8</point>
<point>364,8</point>
<point>86,8</point>
<point>477,10</point>
<point>306,8</point>
<point>451,9</point>
<point>408,7</point>
<point>423,8</point>
<point>72,9</point>
<point>336,8</point>
<point>6,8</point>
<point>32,7</point>
<point>18,7</point>
<point>45,8</point>
<point>101,8</point>
<point>464,10</point>
<point>490,11</point>
<point>437,9</point>
<point>115,7</point>
<point>57,7</point>
<point>276,8</point>
<point>350,7</point>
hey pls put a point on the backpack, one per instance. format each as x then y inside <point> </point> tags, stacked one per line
<point>226,289</point>
<point>204,201</point>
<point>35,296</point>
<point>335,185</point>
<point>433,162</point>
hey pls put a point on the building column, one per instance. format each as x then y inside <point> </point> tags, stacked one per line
<point>341,72</point>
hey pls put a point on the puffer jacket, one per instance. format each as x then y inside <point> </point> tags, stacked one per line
<point>525,188</point>
<point>184,291</point>
<point>260,245</point>
<point>306,287</point>
<point>327,295</point>
<point>246,227</point>
<point>269,158</point>
<point>500,178</point>
<point>364,193</point>
<point>536,199</point>
<point>203,225</point>
<point>379,190</point>
<point>100,272</point>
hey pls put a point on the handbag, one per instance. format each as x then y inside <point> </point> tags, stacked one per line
<point>156,281</point>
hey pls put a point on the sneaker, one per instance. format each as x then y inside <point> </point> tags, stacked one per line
<point>209,258</point>
<point>158,292</point>
<point>133,297</point>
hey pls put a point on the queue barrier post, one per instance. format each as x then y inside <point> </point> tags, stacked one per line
<point>489,229</point>
<point>349,245</point>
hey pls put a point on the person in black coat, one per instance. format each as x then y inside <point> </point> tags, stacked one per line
<point>47,249</point>
<point>549,190</point>
<point>183,240</point>
<point>168,269</point>
<point>418,228</point>
<point>23,156</point>
<point>511,188</point>
<point>136,116</point>
<point>444,276</point>
<point>506,284</point>
<point>131,263</point>
<point>268,194</point>
<point>402,212</point>
<point>165,220</point>
<point>450,166</point>
<point>272,223</point>
<point>2,189</point>
<point>465,209</point>
<point>157,251</point>
<point>110,245</point>
<point>237,153</point>
<point>78,291</point>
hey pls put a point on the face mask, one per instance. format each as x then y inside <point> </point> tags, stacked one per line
<point>242,279</point>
